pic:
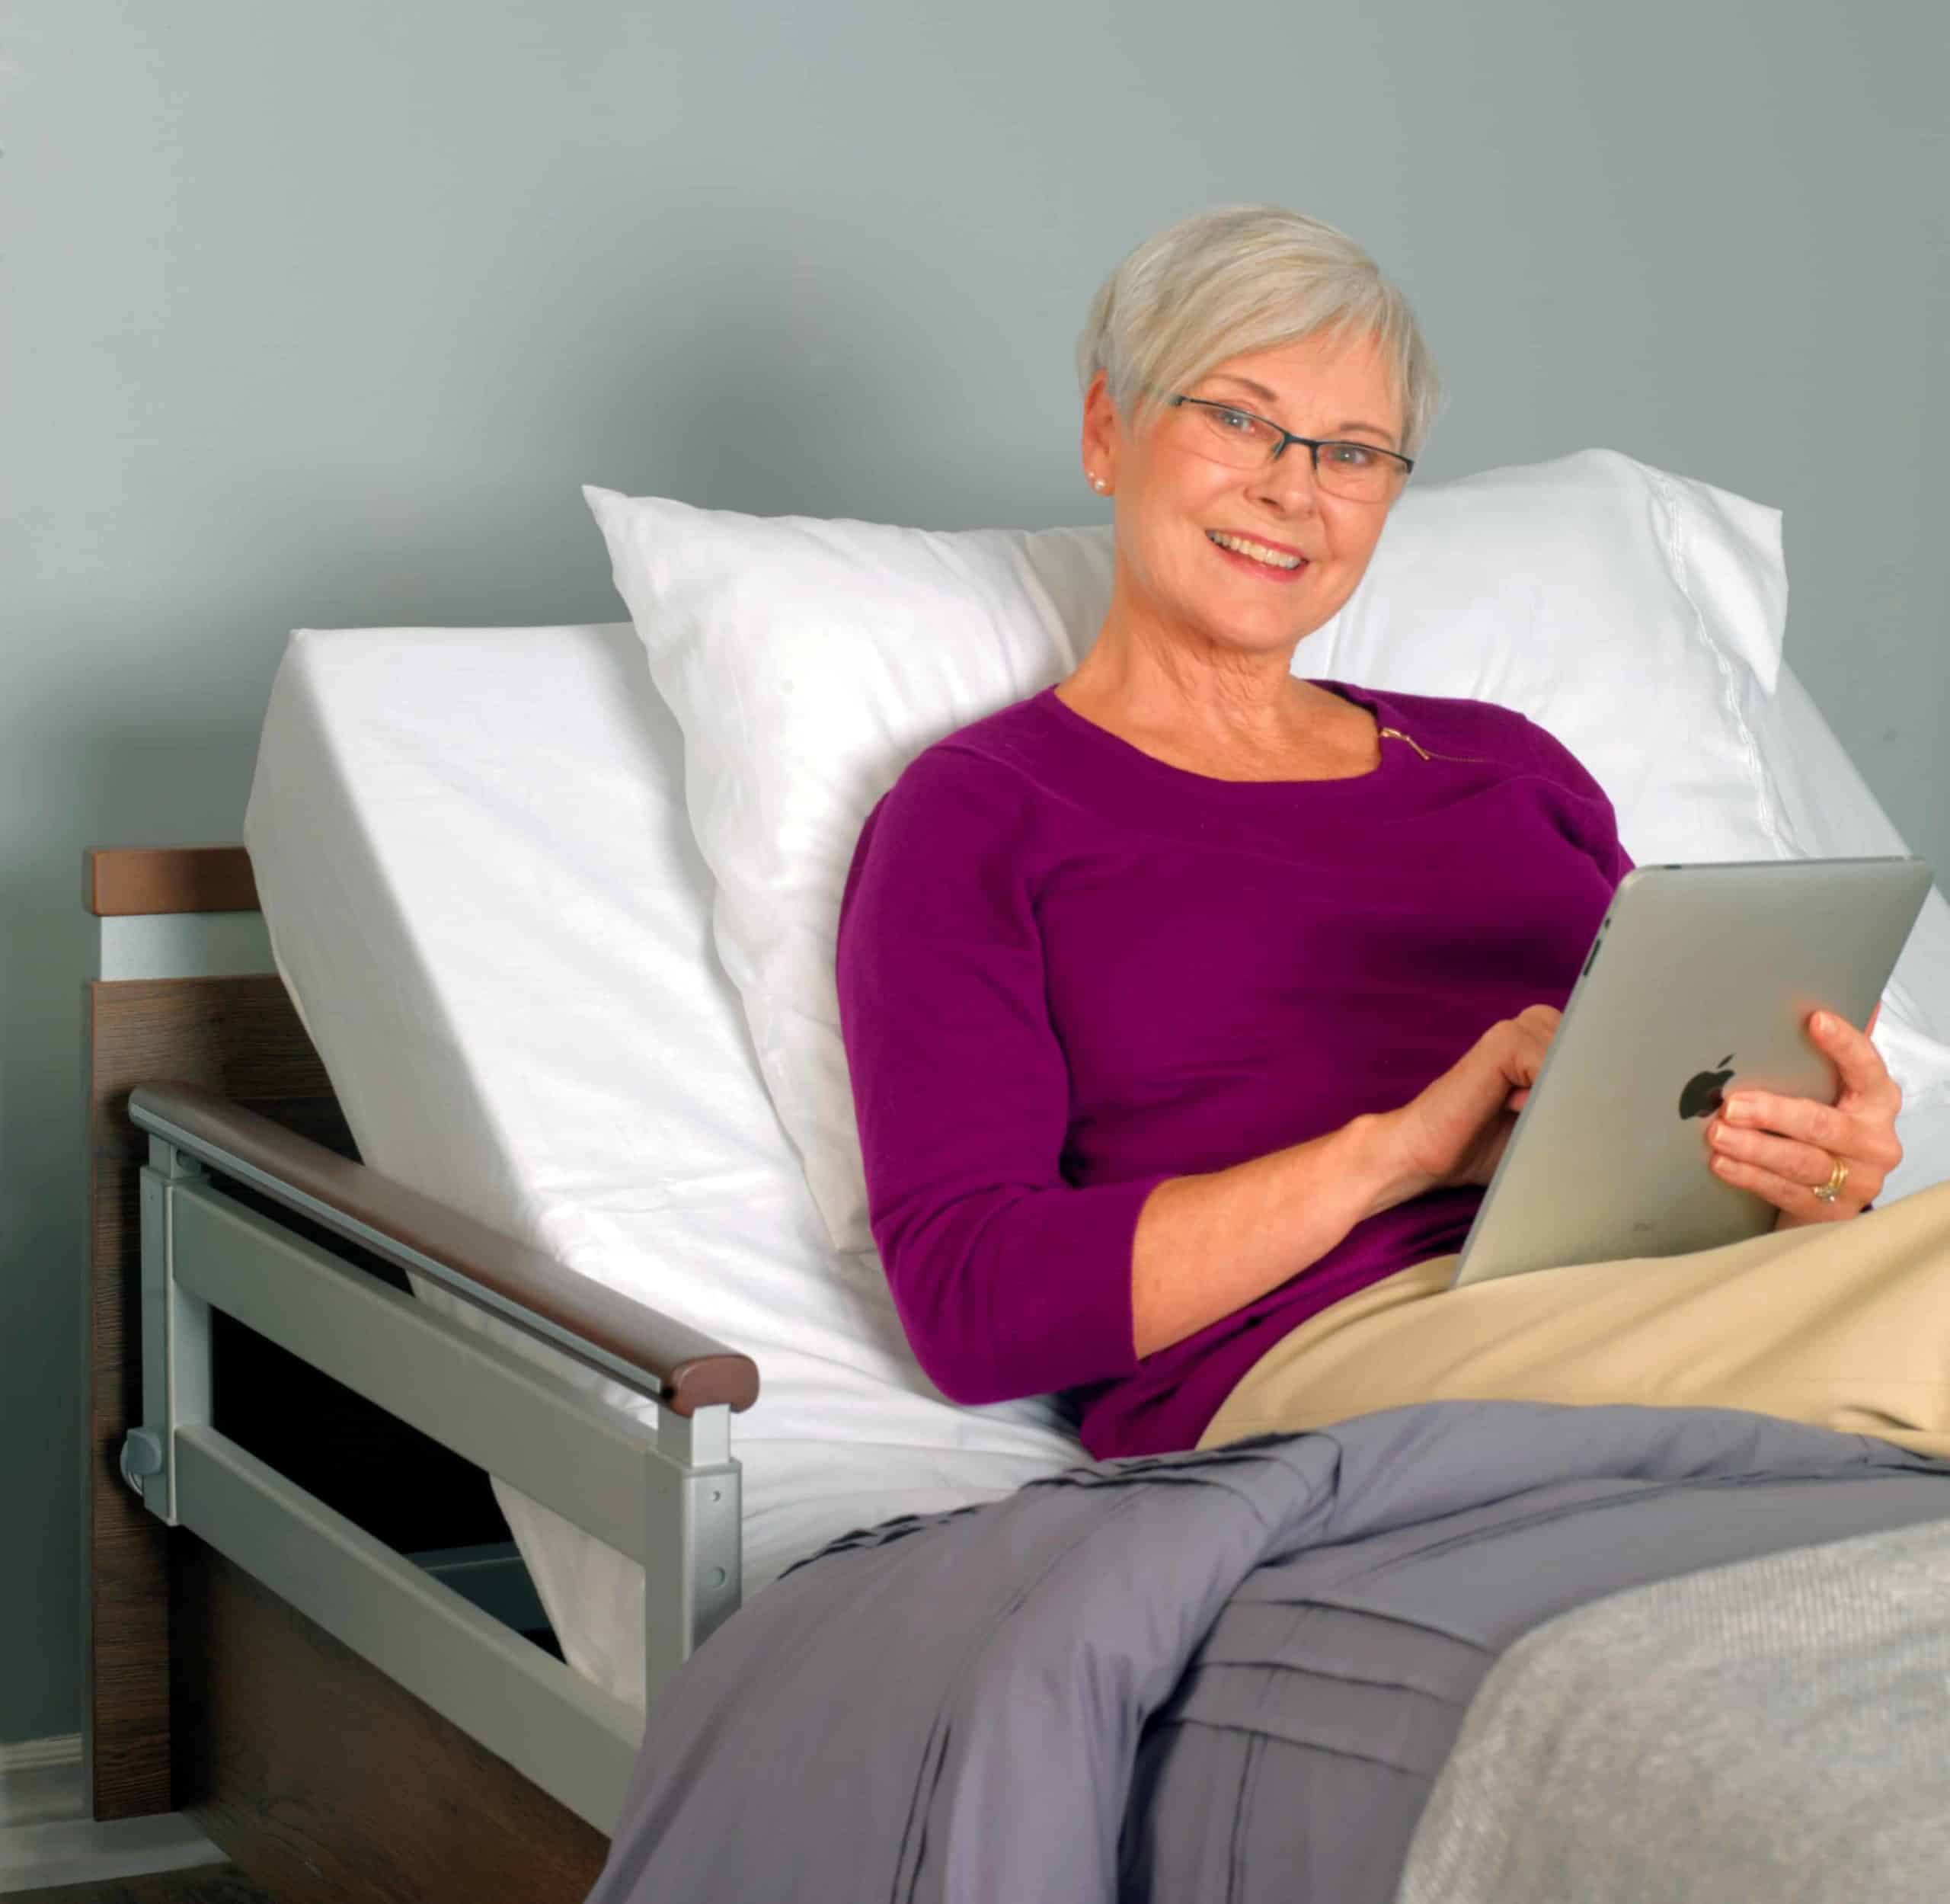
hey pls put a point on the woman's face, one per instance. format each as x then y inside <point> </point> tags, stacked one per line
<point>1170,499</point>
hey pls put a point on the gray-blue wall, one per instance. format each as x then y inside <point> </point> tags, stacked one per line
<point>320,313</point>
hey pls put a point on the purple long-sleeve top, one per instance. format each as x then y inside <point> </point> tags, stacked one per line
<point>1069,971</point>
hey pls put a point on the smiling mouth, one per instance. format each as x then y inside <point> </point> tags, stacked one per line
<point>1257,551</point>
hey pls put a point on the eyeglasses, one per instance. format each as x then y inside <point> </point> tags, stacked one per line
<point>1362,472</point>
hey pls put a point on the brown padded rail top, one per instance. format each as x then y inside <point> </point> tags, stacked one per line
<point>688,1370</point>
<point>118,881</point>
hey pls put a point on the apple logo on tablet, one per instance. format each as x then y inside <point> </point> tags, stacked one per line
<point>1701,1098</point>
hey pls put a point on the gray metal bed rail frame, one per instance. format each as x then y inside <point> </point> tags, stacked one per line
<point>665,1491</point>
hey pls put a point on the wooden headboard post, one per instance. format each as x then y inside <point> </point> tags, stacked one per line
<point>184,988</point>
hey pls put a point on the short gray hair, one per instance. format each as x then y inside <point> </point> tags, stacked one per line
<point>1241,278</point>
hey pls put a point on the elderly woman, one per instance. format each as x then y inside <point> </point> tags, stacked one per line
<point>1189,1004</point>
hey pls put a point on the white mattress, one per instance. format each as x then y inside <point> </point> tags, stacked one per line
<point>484,898</point>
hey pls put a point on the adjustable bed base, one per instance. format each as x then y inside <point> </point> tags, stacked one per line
<point>267,1650</point>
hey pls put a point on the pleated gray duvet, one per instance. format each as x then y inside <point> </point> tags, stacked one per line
<point>1234,1676</point>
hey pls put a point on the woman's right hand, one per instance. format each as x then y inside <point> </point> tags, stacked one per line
<point>1454,1132</point>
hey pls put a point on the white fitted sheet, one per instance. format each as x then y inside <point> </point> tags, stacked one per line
<point>484,898</point>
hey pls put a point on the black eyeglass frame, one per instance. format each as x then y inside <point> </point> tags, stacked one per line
<point>1315,444</point>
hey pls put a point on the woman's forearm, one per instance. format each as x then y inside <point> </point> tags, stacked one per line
<point>1208,1244</point>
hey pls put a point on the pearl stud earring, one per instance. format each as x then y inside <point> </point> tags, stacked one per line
<point>1097,482</point>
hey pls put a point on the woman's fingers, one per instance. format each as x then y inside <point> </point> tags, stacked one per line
<point>1821,1126</point>
<point>1795,1198</point>
<point>1530,1032</point>
<point>1864,1136</point>
<point>1785,1148</point>
<point>1745,1157</point>
<point>1864,1074</point>
<point>1860,1125</point>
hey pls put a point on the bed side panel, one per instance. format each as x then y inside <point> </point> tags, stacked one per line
<point>329,1784</point>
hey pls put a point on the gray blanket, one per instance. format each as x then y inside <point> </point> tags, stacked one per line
<point>1227,1675</point>
<point>1786,1721</point>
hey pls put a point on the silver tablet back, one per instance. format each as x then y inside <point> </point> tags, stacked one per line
<point>1700,978</point>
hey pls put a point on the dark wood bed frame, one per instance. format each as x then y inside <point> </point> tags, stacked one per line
<point>204,1692</point>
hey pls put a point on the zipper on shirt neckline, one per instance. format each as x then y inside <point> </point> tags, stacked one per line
<point>1395,733</point>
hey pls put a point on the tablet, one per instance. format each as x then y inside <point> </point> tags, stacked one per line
<point>1700,979</point>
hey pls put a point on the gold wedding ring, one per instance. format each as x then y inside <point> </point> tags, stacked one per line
<point>1837,1178</point>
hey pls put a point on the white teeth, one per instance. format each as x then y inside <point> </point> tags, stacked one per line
<point>1257,551</point>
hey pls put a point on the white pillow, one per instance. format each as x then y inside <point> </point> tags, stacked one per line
<point>806,662</point>
<point>1636,615</point>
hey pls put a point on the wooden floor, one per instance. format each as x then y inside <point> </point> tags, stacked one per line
<point>207,1884</point>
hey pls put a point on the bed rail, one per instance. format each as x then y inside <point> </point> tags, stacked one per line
<point>664,1490</point>
<point>656,1357</point>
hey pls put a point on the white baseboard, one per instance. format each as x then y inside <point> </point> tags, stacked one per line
<point>47,1838</point>
<point>40,1780</point>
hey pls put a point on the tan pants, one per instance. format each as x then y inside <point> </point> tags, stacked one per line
<point>1842,1325</point>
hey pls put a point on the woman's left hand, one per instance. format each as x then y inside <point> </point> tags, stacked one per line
<point>1784,1148</point>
